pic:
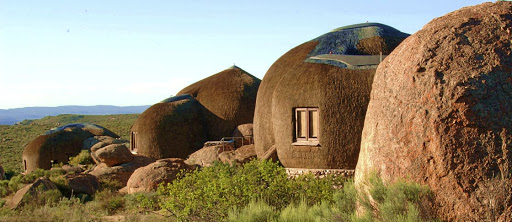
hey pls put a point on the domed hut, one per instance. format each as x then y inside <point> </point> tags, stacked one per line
<point>209,109</point>
<point>59,144</point>
<point>173,127</point>
<point>312,101</point>
<point>440,114</point>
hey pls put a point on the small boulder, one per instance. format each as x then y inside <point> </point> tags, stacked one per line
<point>114,154</point>
<point>207,155</point>
<point>72,169</point>
<point>32,190</point>
<point>245,131</point>
<point>122,172</point>
<point>239,156</point>
<point>147,179</point>
<point>82,183</point>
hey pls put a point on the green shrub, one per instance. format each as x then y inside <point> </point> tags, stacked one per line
<point>345,202</point>
<point>399,201</point>
<point>109,184</point>
<point>84,158</point>
<point>255,211</point>
<point>209,193</point>
<point>306,213</point>
<point>4,188</point>
<point>19,181</point>
<point>108,201</point>
<point>40,198</point>
<point>142,202</point>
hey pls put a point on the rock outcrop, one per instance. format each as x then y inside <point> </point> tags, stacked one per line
<point>114,154</point>
<point>147,179</point>
<point>440,113</point>
<point>122,172</point>
<point>82,183</point>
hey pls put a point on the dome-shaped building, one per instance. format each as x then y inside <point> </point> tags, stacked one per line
<point>209,109</point>
<point>59,144</point>
<point>312,101</point>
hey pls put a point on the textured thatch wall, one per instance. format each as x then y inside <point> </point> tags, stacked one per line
<point>341,95</point>
<point>173,128</point>
<point>59,144</point>
<point>206,110</point>
<point>229,98</point>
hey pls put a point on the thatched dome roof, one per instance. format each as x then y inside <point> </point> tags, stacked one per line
<point>339,91</point>
<point>171,128</point>
<point>229,98</point>
<point>59,144</point>
<point>206,110</point>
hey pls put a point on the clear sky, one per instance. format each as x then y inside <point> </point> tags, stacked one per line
<point>110,52</point>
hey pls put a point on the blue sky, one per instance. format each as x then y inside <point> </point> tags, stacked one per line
<point>101,52</point>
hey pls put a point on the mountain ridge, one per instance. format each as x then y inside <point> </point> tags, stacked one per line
<point>15,115</point>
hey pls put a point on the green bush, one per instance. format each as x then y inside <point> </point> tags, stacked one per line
<point>109,184</point>
<point>345,202</point>
<point>255,211</point>
<point>399,201</point>
<point>4,188</point>
<point>40,198</point>
<point>83,158</point>
<point>107,201</point>
<point>306,213</point>
<point>142,202</point>
<point>19,181</point>
<point>209,193</point>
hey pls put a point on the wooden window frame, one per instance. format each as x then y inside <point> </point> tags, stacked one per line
<point>308,140</point>
<point>133,144</point>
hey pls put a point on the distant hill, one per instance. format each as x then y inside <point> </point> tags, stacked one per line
<point>12,116</point>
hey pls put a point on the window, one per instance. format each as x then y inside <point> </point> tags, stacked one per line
<point>306,125</point>
<point>134,136</point>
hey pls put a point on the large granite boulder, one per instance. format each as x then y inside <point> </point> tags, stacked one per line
<point>440,113</point>
<point>120,173</point>
<point>239,156</point>
<point>114,154</point>
<point>147,179</point>
<point>23,195</point>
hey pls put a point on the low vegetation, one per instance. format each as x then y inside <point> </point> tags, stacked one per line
<point>256,191</point>
<point>14,138</point>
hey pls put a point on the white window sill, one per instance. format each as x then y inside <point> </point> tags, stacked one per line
<point>306,143</point>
